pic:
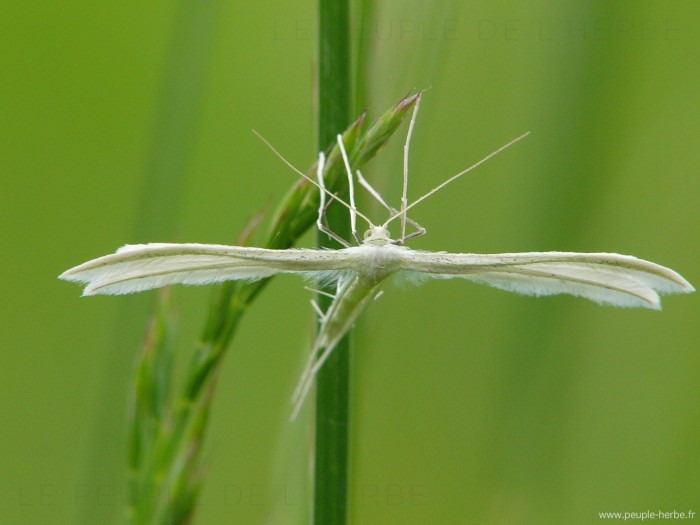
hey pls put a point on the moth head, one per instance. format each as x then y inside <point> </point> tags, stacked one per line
<point>377,236</point>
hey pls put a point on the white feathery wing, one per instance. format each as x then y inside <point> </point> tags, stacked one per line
<point>139,267</point>
<point>605,278</point>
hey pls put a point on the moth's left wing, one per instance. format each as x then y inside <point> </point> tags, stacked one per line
<point>138,267</point>
<point>606,278</point>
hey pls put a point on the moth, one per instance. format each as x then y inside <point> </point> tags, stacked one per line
<point>359,270</point>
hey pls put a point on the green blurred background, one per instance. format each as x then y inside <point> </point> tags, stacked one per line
<point>128,122</point>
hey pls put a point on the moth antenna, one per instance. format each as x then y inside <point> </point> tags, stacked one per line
<point>455,177</point>
<point>304,176</point>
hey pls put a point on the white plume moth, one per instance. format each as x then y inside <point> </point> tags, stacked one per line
<point>360,270</point>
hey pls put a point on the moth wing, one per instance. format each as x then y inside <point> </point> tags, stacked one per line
<point>606,278</point>
<point>138,267</point>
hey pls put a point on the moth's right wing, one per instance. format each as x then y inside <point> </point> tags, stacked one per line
<point>606,278</point>
<point>138,267</point>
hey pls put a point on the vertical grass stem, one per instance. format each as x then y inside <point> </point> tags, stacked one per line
<point>332,390</point>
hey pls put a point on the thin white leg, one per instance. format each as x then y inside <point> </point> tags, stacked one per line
<point>406,147</point>
<point>351,189</point>
<point>320,292</point>
<point>308,381</point>
<point>322,202</point>
<point>365,184</point>
<point>305,374</point>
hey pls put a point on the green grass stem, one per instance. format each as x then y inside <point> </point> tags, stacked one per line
<point>333,380</point>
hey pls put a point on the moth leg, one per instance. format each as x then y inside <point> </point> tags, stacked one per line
<point>314,362</point>
<point>419,231</point>
<point>304,377</point>
<point>307,380</point>
<point>351,190</point>
<point>325,229</point>
<point>374,193</point>
<point>320,292</point>
<point>406,147</point>
<point>322,203</point>
<point>318,310</point>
